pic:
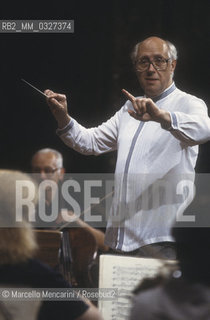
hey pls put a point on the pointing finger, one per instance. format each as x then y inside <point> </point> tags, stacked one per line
<point>131,98</point>
<point>128,95</point>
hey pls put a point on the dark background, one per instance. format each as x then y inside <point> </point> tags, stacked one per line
<point>91,66</point>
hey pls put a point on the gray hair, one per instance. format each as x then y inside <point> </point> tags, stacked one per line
<point>57,154</point>
<point>172,51</point>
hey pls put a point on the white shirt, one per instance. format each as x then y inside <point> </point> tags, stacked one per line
<point>149,165</point>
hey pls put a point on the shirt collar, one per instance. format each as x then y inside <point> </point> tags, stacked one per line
<point>165,93</point>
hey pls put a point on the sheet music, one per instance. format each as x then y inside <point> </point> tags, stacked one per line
<point>123,273</point>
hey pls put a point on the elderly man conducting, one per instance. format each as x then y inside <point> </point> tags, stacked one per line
<point>157,139</point>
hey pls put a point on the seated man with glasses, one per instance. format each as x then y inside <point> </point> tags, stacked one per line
<point>47,164</point>
<point>157,139</point>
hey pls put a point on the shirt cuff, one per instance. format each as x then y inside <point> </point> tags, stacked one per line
<point>174,121</point>
<point>64,130</point>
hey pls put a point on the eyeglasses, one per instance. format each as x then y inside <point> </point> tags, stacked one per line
<point>47,170</point>
<point>159,63</point>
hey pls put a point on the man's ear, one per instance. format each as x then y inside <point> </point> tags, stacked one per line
<point>173,65</point>
<point>62,171</point>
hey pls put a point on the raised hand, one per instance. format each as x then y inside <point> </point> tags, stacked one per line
<point>146,110</point>
<point>58,106</point>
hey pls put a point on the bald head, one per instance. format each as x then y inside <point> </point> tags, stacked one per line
<point>49,153</point>
<point>171,49</point>
<point>49,163</point>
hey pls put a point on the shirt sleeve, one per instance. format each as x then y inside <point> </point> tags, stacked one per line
<point>93,141</point>
<point>192,126</point>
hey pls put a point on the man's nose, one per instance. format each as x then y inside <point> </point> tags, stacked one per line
<point>151,68</point>
<point>43,175</point>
